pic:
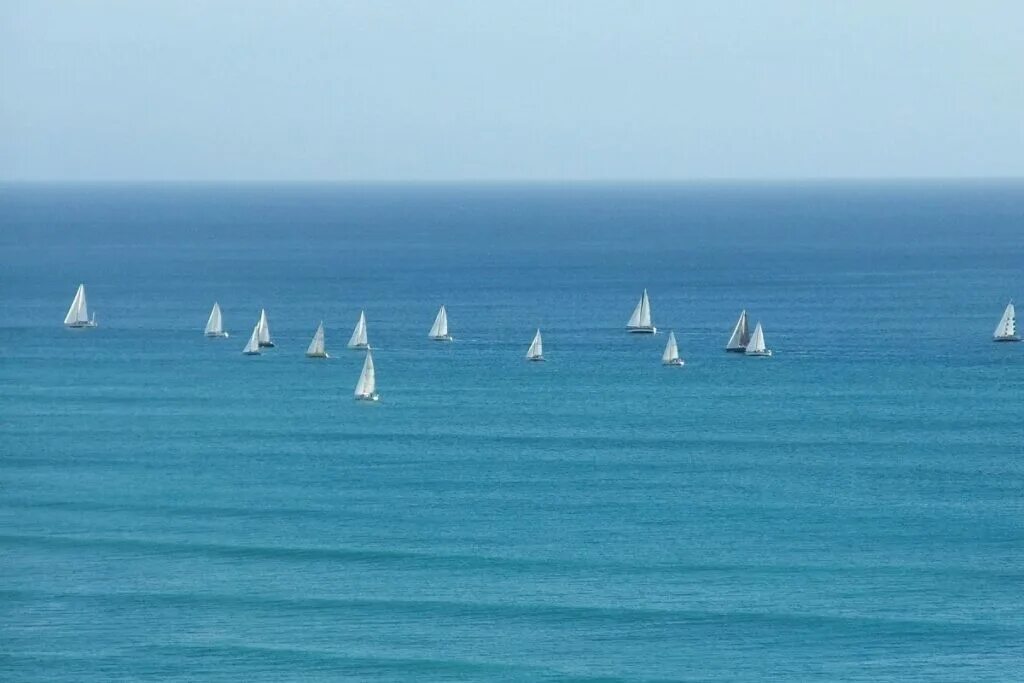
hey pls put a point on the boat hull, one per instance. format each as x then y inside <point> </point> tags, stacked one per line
<point>250,353</point>
<point>538,359</point>
<point>317,355</point>
<point>677,363</point>
<point>360,347</point>
<point>739,350</point>
<point>444,338</point>
<point>372,398</point>
<point>642,330</point>
<point>1006,339</point>
<point>216,335</point>
<point>81,326</point>
<point>759,354</point>
<point>266,345</point>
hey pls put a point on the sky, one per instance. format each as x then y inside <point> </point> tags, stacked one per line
<point>548,90</point>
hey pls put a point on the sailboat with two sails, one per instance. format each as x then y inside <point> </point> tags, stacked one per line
<point>317,348</point>
<point>671,355</point>
<point>215,323</point>
<point>640,321</point>
<point>1006,330</point>
<point>78,315</point>
<point>359,340</point>
<point>366,387</point>
<point>439,330</point>
<point>536,351</point>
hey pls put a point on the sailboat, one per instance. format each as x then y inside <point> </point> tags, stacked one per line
<point>78,314</point>
<point>316,347</point>
<point>671,354</point>
<point>756,346</point>
<point>536,350</point>
<point>640,321</point>
<point>253,347</point>
<point>366,388</point>
<point>215,325</point>
<point>264,330</point>
<point>740,335</point>
<point>1006,330</point>
<point>358,339</point>
<point>439,332</point>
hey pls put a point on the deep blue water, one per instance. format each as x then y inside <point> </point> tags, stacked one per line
<point>850,509</point>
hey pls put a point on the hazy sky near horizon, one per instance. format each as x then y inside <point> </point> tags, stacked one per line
<point>527,89</point>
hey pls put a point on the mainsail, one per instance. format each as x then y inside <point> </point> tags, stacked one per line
<point>756,345</point>
<point>264,329</point>
<point>359,339</point>
<point>253,347</point>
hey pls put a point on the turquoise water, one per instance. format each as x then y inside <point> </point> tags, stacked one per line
<point>849,509</point>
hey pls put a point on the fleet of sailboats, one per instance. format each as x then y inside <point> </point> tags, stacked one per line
<point>671,354</point>
<point>359,339</point>
<point>316,347</point>
<point>536,350</point>
<point>1006,330</point>
<point>264,330</point>
<point>78,314</point>
<point>215,324</point>
<point>640,321</point>
<point>366,387</point>
<point>439,330</point>
<point>756,346</point>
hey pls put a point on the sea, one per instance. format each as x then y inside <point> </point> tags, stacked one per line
<point>850,509</point>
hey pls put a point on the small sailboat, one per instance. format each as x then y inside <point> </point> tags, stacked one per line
<point>439,332</point>
<point>536,350</point>
<point>78,314</point>
<point>640,321</point>
<point>740,335</point>
<point>671,354</point>
<point>215,325</point>
<point>359,339</point>
<point>1006,330</point>
<point>756,346</point>
<point>366,388</point>
<point>316,347</point>
<point>253,347</point>
<point>264,330</point>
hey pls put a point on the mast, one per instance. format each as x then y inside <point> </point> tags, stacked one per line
<point>316,346</point>
<point>366,387</point>
<point>536,350</point>
<point>439,330</point>
<point>1006,330</point>
<point>215,324</point>
<point>359,338</point>
<point>740,336</point>
<point>640,321</point>
<point>78,313</point>
<point>671,353</point>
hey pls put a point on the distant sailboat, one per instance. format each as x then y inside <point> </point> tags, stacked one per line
<point>1006,330</point>
<point>359,340</point>
<point>536,350</point>
<point>640,321</point>
<point>253,347</point>
<point>671,355</point>
<point>215,325</point>
<point>316,347</point>
<point>439,332</point>
<point>366,388</point>
<point>264,330</point>
<point>740,335</point>
<point>756,346</point>
<point>78,314</point>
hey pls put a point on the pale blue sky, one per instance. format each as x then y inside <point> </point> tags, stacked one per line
<point>531,90</point>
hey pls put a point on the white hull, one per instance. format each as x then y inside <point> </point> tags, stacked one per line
<point>317,355</point>
<point>81,326</point>
<point>642,330</point>
<point>760,354</point>
<point>217,335</point>
<point>368,397</point>
<point>677,363</point>
<point>361,347</point>
<point>443,338</point>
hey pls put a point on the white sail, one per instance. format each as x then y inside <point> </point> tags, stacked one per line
<point>264,329</point>
<point>253,347</point>
<point>439,331</point>
<point>671,354</point>
<point>756,346</point>
<point>740,335</point>
<point>367,385</point>
<point>641,318</point>
<point>1007,327</point>
<point>316,347</point>
<point>359,338</point>
<point>78,313</point>
<point>536,350</point>
<point>215,324</point>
